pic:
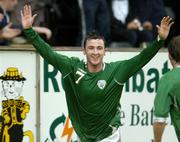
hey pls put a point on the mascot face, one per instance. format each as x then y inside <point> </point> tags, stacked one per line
<point>12,83</point>
<point>12,89</point>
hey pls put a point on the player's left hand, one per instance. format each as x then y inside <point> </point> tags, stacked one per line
<point>164,27</point>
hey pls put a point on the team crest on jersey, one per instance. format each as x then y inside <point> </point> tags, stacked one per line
<point>101,84</point>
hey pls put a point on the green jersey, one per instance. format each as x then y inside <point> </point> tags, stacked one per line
<point>93,98</point>
<point>167,99</point>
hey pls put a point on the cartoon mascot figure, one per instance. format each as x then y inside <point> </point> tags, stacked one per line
<point>14,107</point>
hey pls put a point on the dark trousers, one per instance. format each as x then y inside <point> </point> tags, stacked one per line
<point>97,17</point>
<point>119,33</point>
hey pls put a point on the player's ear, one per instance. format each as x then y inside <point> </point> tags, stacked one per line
<point>105,50</point>
<point>84,51</point>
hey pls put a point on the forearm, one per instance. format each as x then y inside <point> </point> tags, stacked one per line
<point>39,29</point>
<point>158,128</point>
<point>137,62</point>
<point>44,49</point>
<point>36,40</point>
<point>148,53</point>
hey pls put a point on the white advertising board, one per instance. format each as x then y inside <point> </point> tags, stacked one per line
<point>18,96</point>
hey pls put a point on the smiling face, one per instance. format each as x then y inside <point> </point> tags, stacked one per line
<point>12,89</point>
<point>94,51</point>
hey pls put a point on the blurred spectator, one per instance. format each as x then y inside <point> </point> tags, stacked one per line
<point>97,17</point>
<point>8,33</point>
<point>37,7</point>
<point>149,13</point>
<point>125,26</point>
<point>134,21</point>
<point>173,5</point>
<point>63,17</point>
<point>9,30</point>
<point>6,28</point>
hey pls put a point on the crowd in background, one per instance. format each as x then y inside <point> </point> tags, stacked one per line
<point>123,23</point>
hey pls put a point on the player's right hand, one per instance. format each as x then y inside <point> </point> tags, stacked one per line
<point>26,17</point>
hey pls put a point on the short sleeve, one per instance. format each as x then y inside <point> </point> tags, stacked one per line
<point>162,100</point>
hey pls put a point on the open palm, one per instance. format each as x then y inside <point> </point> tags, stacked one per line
<point>26,17</point>
<point>164,28</point>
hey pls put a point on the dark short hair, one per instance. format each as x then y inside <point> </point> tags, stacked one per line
<point>93,35</point>
<point>174,48</point>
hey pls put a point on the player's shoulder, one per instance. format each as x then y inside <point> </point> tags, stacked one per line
<point>114,63</point>
<point>168,77</point>
<point>77,61</point>
<point>172,73</point>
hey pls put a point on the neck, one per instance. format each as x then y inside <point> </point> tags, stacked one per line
<point>94,68</point>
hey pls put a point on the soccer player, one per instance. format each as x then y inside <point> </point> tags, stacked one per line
<point>167,99</point>
<point>93,88</point>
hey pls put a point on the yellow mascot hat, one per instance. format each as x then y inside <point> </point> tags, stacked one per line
<point>12,73</point>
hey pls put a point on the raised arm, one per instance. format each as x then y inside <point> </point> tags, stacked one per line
<point>28,20</point>
<point>134,64</point>
<point>61,62</point>
<point>44,49</point>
